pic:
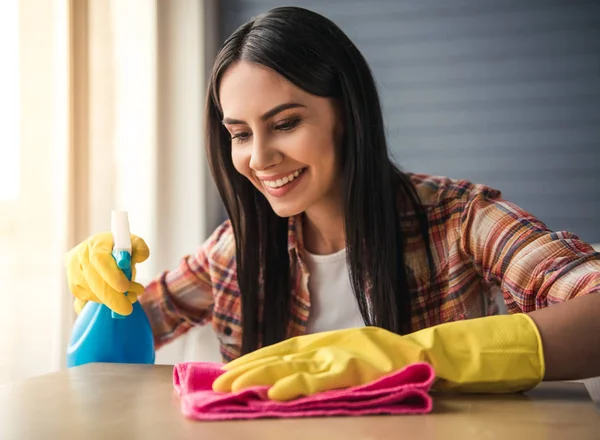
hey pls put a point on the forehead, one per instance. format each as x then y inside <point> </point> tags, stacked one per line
<point>247,89</point>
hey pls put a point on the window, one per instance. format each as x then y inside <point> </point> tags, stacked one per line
<point>9,104</point>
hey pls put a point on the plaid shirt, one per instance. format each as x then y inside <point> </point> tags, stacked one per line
<point>482,246</point>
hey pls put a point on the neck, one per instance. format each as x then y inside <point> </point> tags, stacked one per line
<point>323,230</point>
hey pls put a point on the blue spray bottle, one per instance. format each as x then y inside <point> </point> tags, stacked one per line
<point>101,335</point>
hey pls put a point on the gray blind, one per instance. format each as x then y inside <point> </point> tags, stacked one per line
<point>500,92</point>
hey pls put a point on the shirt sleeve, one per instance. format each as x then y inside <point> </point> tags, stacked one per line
<point>534,266</point>
<point>182,298</point>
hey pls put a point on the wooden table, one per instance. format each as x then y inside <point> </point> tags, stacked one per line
<point>104,401</point>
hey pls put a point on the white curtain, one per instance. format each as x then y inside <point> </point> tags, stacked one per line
<point>109,115</point>
<point>33,213</point>
<point>146,81</point>
<point>147,73</point>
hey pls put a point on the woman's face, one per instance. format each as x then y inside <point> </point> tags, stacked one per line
<point>283,139</point>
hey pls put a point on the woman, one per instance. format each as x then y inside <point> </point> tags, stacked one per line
<point>335,267</point>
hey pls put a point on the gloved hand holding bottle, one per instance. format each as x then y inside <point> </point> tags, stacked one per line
<point>93,274</point>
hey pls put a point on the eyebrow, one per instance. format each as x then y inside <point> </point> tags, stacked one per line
<point>275,110</point>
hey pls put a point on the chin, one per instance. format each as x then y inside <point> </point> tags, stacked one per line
<point>286,210</point>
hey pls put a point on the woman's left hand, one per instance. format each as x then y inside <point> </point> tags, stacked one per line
<point>494,354</point>
<point>305,365</point>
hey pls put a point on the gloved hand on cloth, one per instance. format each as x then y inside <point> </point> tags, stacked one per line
<point>496,354</point>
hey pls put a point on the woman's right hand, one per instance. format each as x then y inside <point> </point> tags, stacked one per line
<point>93,274</point>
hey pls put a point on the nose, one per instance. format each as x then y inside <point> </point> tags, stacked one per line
<point>264,155</point>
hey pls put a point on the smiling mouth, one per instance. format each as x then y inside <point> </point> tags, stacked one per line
<point>284,180</point>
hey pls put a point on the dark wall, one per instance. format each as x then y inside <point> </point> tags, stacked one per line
<point>501,92</point>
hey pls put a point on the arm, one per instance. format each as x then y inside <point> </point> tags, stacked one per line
<point>180,299</point>
<point>552,276</point>
<point>571,338</point>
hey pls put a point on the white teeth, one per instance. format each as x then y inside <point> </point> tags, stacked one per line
<point>283,181</point>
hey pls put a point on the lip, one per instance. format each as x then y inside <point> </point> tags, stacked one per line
<point>279,176</point>
<point>283,190</point>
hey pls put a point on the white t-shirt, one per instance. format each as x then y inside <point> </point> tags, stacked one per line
<point>333,304</point>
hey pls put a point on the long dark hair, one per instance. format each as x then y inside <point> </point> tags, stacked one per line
<point>315,55</point>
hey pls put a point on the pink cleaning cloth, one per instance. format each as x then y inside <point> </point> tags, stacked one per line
<point>402,392</point>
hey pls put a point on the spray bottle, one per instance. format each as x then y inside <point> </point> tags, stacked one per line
<point>101,335</point>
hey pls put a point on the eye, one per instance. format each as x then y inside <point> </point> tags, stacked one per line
<point>240,137</point>
<point>288,124</point>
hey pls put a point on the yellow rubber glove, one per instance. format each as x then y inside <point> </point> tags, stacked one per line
<point>492,354</point>
<point>93,274</point>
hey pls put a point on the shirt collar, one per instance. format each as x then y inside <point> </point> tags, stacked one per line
<point>295,240</point>
<point>295,233</point>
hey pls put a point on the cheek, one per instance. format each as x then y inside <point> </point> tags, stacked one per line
<point>323,156</point>
<point>314,147</point>
<point>327,169</point>
<point>240,160</point>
